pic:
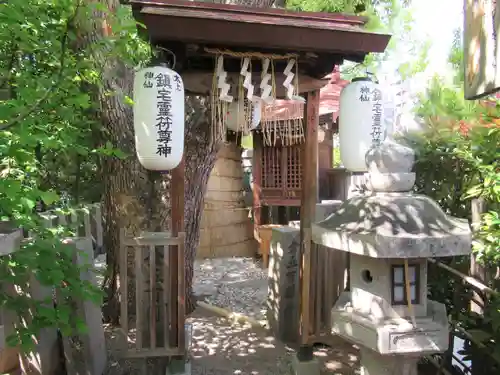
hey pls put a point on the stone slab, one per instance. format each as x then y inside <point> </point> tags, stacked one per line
<point>376,364</point>
<point>283,288</point>
<point>394,225</point>
<point>9,239</point>
<point>283,303</point>
<point>92,312</point>
<point>178,367</point>
<point>305,367</point>
<point>390,336</point>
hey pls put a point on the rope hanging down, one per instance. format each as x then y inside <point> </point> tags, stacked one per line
<point>290,131</point>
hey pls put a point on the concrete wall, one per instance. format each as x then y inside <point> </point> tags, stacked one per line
<point>226,227</point>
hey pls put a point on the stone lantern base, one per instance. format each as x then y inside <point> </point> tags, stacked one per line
<point>373,363</point>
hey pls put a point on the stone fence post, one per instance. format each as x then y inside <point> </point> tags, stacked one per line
<point>283,291</point>
<point>45,359</point>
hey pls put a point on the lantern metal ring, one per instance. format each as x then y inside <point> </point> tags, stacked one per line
<point>171,54</point>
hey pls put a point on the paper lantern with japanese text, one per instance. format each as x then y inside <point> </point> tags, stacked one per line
<point>235,116</point>
<point>361,122</point>
<point>159,118</point>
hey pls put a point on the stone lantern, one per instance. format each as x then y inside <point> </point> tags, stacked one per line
<point>389,233</point>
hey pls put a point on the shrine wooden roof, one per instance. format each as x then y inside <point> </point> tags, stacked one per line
<point>190,29</point>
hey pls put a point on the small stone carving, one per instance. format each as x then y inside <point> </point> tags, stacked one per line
<point>389,168</point>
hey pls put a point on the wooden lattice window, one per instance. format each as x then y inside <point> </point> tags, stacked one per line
<point>294,167</point>
<point>282,167</point>
<point>271,168</point>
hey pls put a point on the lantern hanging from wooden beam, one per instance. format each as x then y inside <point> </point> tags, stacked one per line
<point>361,123</point>
<point>159,118</point>
<point>243,115</point>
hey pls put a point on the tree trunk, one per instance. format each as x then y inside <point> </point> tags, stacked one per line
<point>200,156</point>
<point>132,196</point>
<point>127,189</point>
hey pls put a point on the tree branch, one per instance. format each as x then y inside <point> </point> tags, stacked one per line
<point>45,96</point>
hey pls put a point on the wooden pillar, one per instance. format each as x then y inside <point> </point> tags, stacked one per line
<point>282,215</point>
<point>257,180</point>
<point>307,207</point>
<point>177,311</point>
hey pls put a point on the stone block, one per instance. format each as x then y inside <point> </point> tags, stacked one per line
<point>182,366</point>
<point>396,337</point>
<point>89,357</point>
<point>325,209</point>
<point>179,367</point>
<point>283,303</point>
<point>9,239</point>
<point>305,367</point>
<point>44,360</point>
<point>355,184</point>
<point>91,312</point>
<point>283,291</point>
<point>9,359</point>
<point>373,363</point>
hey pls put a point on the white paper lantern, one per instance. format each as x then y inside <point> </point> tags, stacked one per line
<point>235,115</point>
<point>361,122</point>
<point>159,118</point>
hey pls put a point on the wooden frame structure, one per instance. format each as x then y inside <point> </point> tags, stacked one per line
<point>278,172</point>
<point>171,312</point>
<point>320,42</point>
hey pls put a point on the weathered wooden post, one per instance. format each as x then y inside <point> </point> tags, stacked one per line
<point>304,361</point>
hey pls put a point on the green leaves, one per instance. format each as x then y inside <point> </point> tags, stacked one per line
<point>49,197</point>
<point>458,160</point>
<point>333,6</point>
<point>48,144</point>
<point>110,151</point>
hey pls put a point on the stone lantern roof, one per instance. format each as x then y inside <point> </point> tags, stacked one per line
<point>389,221</point>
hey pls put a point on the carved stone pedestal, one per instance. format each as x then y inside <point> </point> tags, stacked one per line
<point>305,367</point>
<point>373,363</point>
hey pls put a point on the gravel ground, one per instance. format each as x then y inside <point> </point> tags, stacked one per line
<point>221,347</point>
<point>238,284</point>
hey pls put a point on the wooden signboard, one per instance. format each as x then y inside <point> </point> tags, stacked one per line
<point>481,48</point>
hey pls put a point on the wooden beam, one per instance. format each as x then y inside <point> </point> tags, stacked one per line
<point>308,206</point>
<point>177,306</point>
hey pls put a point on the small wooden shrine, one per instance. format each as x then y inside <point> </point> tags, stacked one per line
<point>278,164</point>
<point>230,52</point>
<point>277,146</point>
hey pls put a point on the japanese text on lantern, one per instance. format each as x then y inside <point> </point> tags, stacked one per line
<point>364,93</point>
<point>163,84</point>
<point>164,110</point>
<point>376,132</point>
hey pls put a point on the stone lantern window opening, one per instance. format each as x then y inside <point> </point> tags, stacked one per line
<point>367,276</point>
<point>399,295</point>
